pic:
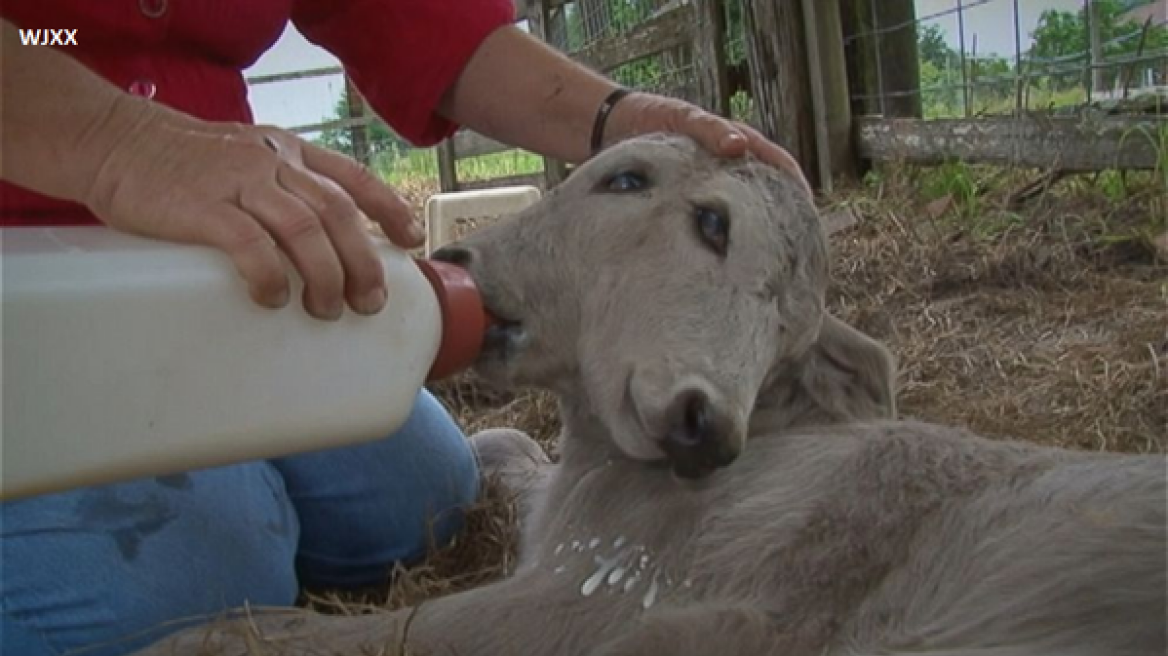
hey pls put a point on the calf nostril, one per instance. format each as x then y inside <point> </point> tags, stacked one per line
<point>701,437</point>
<point>693,426</point>
<point>697,418</point>
<point>456,255</point>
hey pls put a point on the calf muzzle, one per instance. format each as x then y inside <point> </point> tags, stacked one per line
<point>701,438</point>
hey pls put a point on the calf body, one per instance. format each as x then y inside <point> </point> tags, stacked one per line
<point>733,479</point>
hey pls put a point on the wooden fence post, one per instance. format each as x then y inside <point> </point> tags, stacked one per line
<point>830,94</point>
<point>883,66</point>
<point>709,48</point>
<point>856,19</point>
<point>1097,78</point>
<point>539,20</point>
<point>777,54</point>
<point>782,70</point>
<point>898,54</point>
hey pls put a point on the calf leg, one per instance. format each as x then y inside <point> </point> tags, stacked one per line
<point>484,621</point>
<point>516,462</point>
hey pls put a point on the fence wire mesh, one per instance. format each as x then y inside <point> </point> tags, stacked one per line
<point>584,27</point>
<point>580,24</point>
<point>1043,56</point>
<point>1089,52</point>
<point>577,28</point>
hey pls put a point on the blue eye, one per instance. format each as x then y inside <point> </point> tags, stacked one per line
<point>714,228</point>
<point>627,181</point>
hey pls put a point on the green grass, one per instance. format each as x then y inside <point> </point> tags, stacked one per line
<point>499,165</point>
<point>997,102</point>
<point>410,166</point>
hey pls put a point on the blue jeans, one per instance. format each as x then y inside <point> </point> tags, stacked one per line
<point>121,566</point>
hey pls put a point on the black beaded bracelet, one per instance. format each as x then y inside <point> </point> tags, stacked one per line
<point>602,117</point>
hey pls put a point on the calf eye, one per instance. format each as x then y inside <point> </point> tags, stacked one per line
<point>714,228</point>
<point>627,181</point>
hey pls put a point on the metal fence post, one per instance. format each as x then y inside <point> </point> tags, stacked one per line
<point>358,133</point>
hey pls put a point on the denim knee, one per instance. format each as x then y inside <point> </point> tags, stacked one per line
<point>364,508</point>
<point>124,565</point>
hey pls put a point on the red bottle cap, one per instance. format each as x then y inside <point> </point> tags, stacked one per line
<point>464,319</point>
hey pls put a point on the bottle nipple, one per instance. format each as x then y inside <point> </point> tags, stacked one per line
<point>464,319</point>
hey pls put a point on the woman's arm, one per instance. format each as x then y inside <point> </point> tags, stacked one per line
<point>523,92</point>
<point>56,115</point>
<point>428,66</point>
<point>520,91</point>
<point>403,55</point>
<point>253,192</point>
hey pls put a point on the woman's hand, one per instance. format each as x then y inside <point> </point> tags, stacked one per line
<point>642,113</point>
<point>254,193</point>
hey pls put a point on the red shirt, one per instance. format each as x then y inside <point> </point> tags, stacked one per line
<point>401,54</point>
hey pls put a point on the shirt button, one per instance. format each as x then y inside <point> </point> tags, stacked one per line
<point>144,88</point>
<point>153,8</point>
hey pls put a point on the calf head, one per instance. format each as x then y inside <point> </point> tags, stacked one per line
<point>659,285</point>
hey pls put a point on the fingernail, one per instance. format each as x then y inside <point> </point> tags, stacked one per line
<point>731,140</point>
<point>273,300</point>
<point>372,302</point>
<point>331,311</point>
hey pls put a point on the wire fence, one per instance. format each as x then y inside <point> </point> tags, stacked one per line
<point>1087,52</point>
<point>1102,51</point>
<point>582,26</point>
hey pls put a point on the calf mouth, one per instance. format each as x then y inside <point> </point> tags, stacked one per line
<point>504,338</point>
<point>695,436</point>
<point>700,438</point>
<point>507,333</point>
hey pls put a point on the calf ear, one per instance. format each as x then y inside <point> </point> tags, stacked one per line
<point>826,373</point>
<point>844,376</point>
<point>849,374</point>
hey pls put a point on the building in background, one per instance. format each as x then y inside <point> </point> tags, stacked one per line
<point>1154,13</point>
<point>1141,10</point>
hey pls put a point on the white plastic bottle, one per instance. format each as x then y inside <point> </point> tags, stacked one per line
<point>126,357</point>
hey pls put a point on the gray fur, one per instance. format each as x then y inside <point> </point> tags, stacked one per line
<point>839,530</point>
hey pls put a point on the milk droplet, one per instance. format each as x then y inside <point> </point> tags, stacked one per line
<point>594,543</point>
<point>617,575</point>
<point>651,595</point>
<point>630,583</point>
<point>560,569</point>
<point>618,543</point>
<point>593,582</point>
<point>559,548</point>
<point>576,546</point>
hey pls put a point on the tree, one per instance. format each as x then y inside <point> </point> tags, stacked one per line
<point>933,49</point>
<point>1063,36</point>
<point>1059,33</point>
<point>381,137</point>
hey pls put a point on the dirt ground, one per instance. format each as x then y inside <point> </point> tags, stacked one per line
<point>1046,322</point>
